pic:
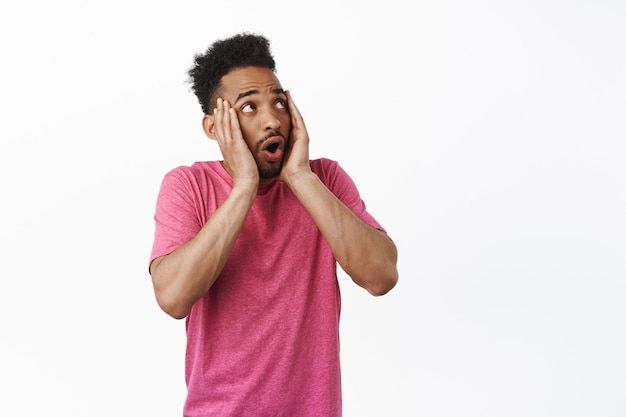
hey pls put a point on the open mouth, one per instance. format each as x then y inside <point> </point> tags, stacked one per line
<point>272,148</point>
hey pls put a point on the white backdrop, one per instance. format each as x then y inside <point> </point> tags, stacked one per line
<point>487,136</point>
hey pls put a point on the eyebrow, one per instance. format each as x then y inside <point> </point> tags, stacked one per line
<point>252,92</point>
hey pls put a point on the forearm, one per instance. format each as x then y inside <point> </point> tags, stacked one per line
<point>366,254</point>
<point>187,273</point>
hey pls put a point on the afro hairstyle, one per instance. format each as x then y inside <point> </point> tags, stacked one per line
<point>224,55</point>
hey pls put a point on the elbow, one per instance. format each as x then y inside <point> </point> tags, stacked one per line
<point>172,307</point>
<point>378,278</point>
<point>167,296</point>
<point>385,272</point>
<point>177,315</point>
<point>383,284</point>
<point>170,301</point>
<point>385,275</point>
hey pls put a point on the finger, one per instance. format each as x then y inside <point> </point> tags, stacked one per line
<point>233,120</point>
<point>226,119</point>
<point>296,117</point>
<point>219,120</point>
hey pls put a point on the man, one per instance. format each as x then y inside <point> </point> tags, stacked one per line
<point>247,248</point>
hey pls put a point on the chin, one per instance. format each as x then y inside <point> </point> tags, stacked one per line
<point>270,171</point>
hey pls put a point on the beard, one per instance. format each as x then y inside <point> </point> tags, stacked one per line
<point>270,171</point>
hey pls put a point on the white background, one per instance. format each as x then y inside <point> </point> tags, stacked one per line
<point>488,137</point>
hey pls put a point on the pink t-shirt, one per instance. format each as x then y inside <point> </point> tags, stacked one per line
<point>264,340</point>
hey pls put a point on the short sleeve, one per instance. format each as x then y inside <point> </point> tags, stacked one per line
<point>343,187</point>
<point>176,217</point>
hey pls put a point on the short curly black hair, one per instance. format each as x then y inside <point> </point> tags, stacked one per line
<point>241,50</point>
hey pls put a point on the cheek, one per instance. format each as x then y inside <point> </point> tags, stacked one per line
<point>286,123</point>
<point>247,130</point>
<point>250,134</point>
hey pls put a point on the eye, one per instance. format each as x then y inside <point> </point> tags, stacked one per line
<point>248,108</point>
<point>281,104</point>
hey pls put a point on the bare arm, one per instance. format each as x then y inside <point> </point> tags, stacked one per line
<point>366,254</point>
<point>185,275</point>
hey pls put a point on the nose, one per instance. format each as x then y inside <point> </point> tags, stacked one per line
<point>271,121</point>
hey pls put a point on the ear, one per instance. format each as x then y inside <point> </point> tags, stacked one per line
<point>208,125</point>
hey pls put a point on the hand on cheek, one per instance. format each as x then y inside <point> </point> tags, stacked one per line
<point>238,160</point>
<point>297,158</point>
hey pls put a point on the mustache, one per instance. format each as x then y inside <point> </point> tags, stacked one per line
<point>259,144</point>
<point>272,134</point>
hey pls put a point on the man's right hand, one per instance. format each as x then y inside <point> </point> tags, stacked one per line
<point>238,160</point>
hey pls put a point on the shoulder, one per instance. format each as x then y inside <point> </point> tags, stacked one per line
<point>324,167</point>
<point>197,173</point>
<point>193,179</point>
<point>332,175</point>
<point>197,169</point>
<point>328,168</point>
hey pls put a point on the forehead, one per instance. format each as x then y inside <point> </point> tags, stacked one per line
<point>245,79</point>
